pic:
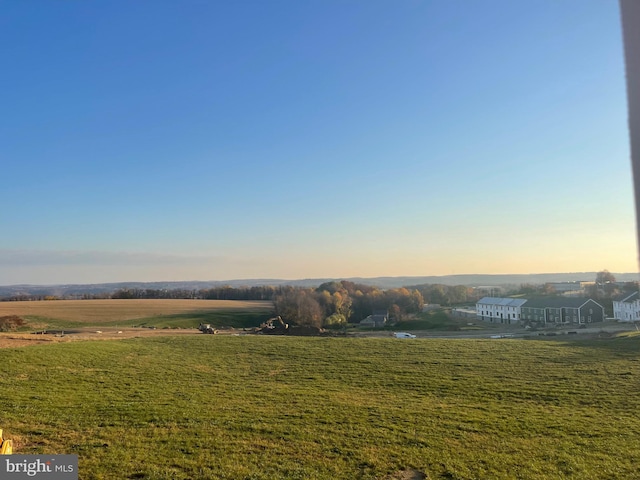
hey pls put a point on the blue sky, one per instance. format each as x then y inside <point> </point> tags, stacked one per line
<point>214,140</point>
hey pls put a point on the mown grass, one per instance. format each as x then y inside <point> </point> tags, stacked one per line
<point>257,407</point>
<point>217,318</point>
<point>437,320</point>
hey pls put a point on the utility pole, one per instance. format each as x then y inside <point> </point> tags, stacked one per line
<point>630,12</point>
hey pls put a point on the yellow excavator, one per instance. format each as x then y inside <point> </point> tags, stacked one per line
<point>6,446</point>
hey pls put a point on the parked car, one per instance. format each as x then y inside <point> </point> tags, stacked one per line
<point>403,335</point>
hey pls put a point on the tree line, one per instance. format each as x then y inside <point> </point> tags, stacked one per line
<point>266,292</point>
<point>334,304</point>
<point>365,295</point>
<point>447,295</point>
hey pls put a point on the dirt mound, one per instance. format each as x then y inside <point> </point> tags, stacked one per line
<point>305,330</point>
<point>9,323</point>
<point>409,474</point>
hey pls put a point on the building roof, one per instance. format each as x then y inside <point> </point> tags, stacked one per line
<point>558,302</point>
<point>504,302</point>
<point>629,298</point>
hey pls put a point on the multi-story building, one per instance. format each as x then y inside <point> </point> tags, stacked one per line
<point>562,310</point>
<point>541,311</point>
<point>499,310</point>
<point>627,309</point>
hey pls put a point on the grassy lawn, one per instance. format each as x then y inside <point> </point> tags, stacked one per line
<point>217,318</point>
<point>256,407</point>
<point>437,320</point>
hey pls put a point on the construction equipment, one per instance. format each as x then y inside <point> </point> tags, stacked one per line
<point>274,326</point>
<point>207,328</point>
<point>6,446</point>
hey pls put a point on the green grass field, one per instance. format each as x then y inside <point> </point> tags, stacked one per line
<point>438,320</point>
<point>258,407</point>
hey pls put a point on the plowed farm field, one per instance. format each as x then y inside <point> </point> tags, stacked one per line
<point>95,312</point>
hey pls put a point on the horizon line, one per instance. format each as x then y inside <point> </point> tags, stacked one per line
<point>263,279</point>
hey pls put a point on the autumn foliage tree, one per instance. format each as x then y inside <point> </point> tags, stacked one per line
<point>446,294</point>
<point>335,303</point>
<point>300,307</point>
<point>606,286</point>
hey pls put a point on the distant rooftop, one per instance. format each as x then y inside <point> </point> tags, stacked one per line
<point>505,302</point>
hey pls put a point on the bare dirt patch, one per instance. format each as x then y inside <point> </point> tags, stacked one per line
<point>21,340</point>
<point>409,474</point>
<point>9,323</point>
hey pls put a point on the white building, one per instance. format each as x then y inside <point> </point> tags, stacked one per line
<point>627,309</point>
<point>570,288</point>
<point>500,310</point>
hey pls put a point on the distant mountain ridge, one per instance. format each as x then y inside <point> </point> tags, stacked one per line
<point>471,280</point>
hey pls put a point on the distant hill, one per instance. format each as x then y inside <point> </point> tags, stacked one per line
<point>381,282</point>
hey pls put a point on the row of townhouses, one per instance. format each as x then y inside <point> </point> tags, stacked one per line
<point>543,310</point>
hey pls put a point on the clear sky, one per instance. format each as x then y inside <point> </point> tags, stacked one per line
<point>213,140</point>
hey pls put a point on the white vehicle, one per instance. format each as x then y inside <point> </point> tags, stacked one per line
<point>403,335</point>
